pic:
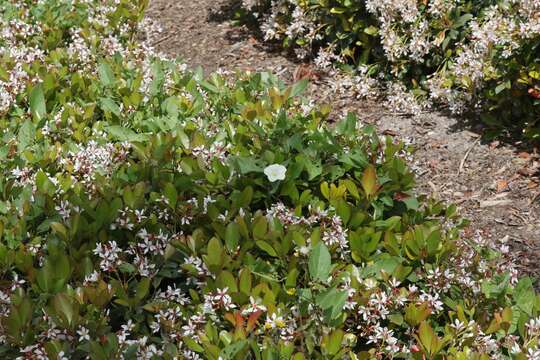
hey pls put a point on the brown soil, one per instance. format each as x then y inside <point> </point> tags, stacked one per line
<point>495,185</point>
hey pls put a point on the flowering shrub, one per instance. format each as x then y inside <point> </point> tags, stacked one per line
<point>148,212</point>
<point>466,55</point>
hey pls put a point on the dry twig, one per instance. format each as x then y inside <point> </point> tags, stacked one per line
<point>467,155</point>
<point>537,196</point>
<point>165,38</point>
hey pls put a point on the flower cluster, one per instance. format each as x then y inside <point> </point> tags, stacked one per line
<point>464,55</point>
<point>333,233</point>
<point>86,163</point>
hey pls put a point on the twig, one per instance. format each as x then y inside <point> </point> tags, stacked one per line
<point>165,38</point>
<point>467,155</point>
<point>537,196</point>
<point>506,223</point>
<point>433,187</point>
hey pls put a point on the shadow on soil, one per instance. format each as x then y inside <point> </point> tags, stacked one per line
<point>248,28</point>
<point>510,133</point>
<point>232,11</point>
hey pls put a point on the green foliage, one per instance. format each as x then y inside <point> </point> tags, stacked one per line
<point>136,221</point>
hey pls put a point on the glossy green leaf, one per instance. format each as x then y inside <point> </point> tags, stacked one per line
<point>320,262</point>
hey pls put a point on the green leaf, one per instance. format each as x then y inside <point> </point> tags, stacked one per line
<point>59,228</point>
<point>171,106</point>
<point>42,181</point>
<point>263,245</point>
<point>245,281</point>
<point>246,197</point>
<point>325,189</point>
<point>396,318</point>
<point>299,87</point>
<point>347,126</point>
<point>332,301</point>
<point>411,203</point>
<point>337,10</point>
<point>414,314</point>
<point>314,169</point>
<point>462,20</point>
<point>428,339</point>
<point>320,262</point>
<point>352,188</point>
<point>215,251</point>
<point>334,341</point>
<point>190,343</point>
<point>344,211</point>
<point>208,86</point>
<point>170,194</point>
<point>65,307</point>
<point>260,227</point>
<point>124,134</point>
<point>127,268</point>
<point>503,86</point>
<point>326,299</point>
<point>108,105</point>
<point>433,241</point>
<point>371,30</point>
<point>37,103</point>
<point>26,136</point>
<point>289,189</point>
<point>232,236</point>
<point>290,282</point>
<point>232,350</point>
<point>247,165</point>
<point>143,286</point>
<point>227,280</point>
<point>4,208</point>
<point>106,74</point>
<point>524,295</point>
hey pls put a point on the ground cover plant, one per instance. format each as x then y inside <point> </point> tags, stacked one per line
<point>478,57</point>
<point>149,212</point>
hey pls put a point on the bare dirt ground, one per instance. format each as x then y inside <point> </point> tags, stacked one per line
<point>496,185</point>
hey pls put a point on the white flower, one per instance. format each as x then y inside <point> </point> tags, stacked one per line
<point>275,172</point>
<point>274,321</point>
<point>83,333</point>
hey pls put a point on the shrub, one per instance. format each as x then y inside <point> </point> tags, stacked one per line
<point>474,56</point>
<point>149,212</point>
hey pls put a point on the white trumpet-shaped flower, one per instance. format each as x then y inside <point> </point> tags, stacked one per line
<point>275,172</point>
